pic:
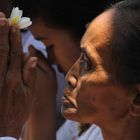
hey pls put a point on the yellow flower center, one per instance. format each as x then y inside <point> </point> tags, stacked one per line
<point>15,20</point>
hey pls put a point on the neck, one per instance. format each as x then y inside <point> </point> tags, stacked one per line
<point>128,129</point>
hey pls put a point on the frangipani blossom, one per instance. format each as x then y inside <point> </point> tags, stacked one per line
<point>16,18</point>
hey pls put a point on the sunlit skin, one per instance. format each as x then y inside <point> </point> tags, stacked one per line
<point>93,95</point>
<point>63,49</point>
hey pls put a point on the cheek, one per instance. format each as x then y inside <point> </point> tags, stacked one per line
<point>115,103</point>
<point>100,102</point>
<point>56,54</point>
<point>62,59</point>
<point>85,101</point>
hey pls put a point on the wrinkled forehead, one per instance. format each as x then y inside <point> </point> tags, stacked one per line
<point>100,30</point>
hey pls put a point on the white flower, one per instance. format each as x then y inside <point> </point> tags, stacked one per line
<point>16,18</point>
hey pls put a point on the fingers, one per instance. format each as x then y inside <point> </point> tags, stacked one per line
<point>29,73</point>
<point>45,67</point>
<point>4,32</point>
<point>4,48</point>
<point>42,61</point>
<point>26,57</point>
<point>32,50</point>
<point>16,55</point>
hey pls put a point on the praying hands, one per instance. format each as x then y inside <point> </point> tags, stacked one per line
<point>16,80</point>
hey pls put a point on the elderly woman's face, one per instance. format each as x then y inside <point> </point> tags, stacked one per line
<point>92,95</point>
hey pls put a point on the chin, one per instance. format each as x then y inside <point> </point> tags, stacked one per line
<point>71,114</point>
<point>68,112</point>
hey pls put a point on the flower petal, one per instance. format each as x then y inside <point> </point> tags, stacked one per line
<point>24,22</point>
<point>16,13</point>
<point>15,16</point>
<point>12,13</point>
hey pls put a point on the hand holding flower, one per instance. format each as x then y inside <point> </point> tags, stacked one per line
<point>16,80</point>
<point>17,19</point>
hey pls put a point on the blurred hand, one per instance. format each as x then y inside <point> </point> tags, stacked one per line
<point>16,81</point>
<point>46,82</point>
<point>42,122</point>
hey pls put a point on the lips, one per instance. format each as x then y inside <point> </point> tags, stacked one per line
<point>67,103</point>
<point>67,100</point>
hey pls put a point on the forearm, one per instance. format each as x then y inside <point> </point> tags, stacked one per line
<point>42,122</point>
<point>34,130</point>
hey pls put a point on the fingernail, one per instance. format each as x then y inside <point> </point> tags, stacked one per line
<point>34,63</point>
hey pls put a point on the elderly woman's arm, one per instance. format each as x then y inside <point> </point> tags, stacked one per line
<point>16,81</point>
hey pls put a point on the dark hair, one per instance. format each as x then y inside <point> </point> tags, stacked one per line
<point>72,15</point>
<point>126,44</point>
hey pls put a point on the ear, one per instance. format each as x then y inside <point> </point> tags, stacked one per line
<point>135,103</point>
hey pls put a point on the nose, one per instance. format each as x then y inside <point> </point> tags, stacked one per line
<point>72,81</point>
<point>72,77</point>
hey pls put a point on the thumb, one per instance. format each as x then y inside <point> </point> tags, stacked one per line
<point>29,72</point>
